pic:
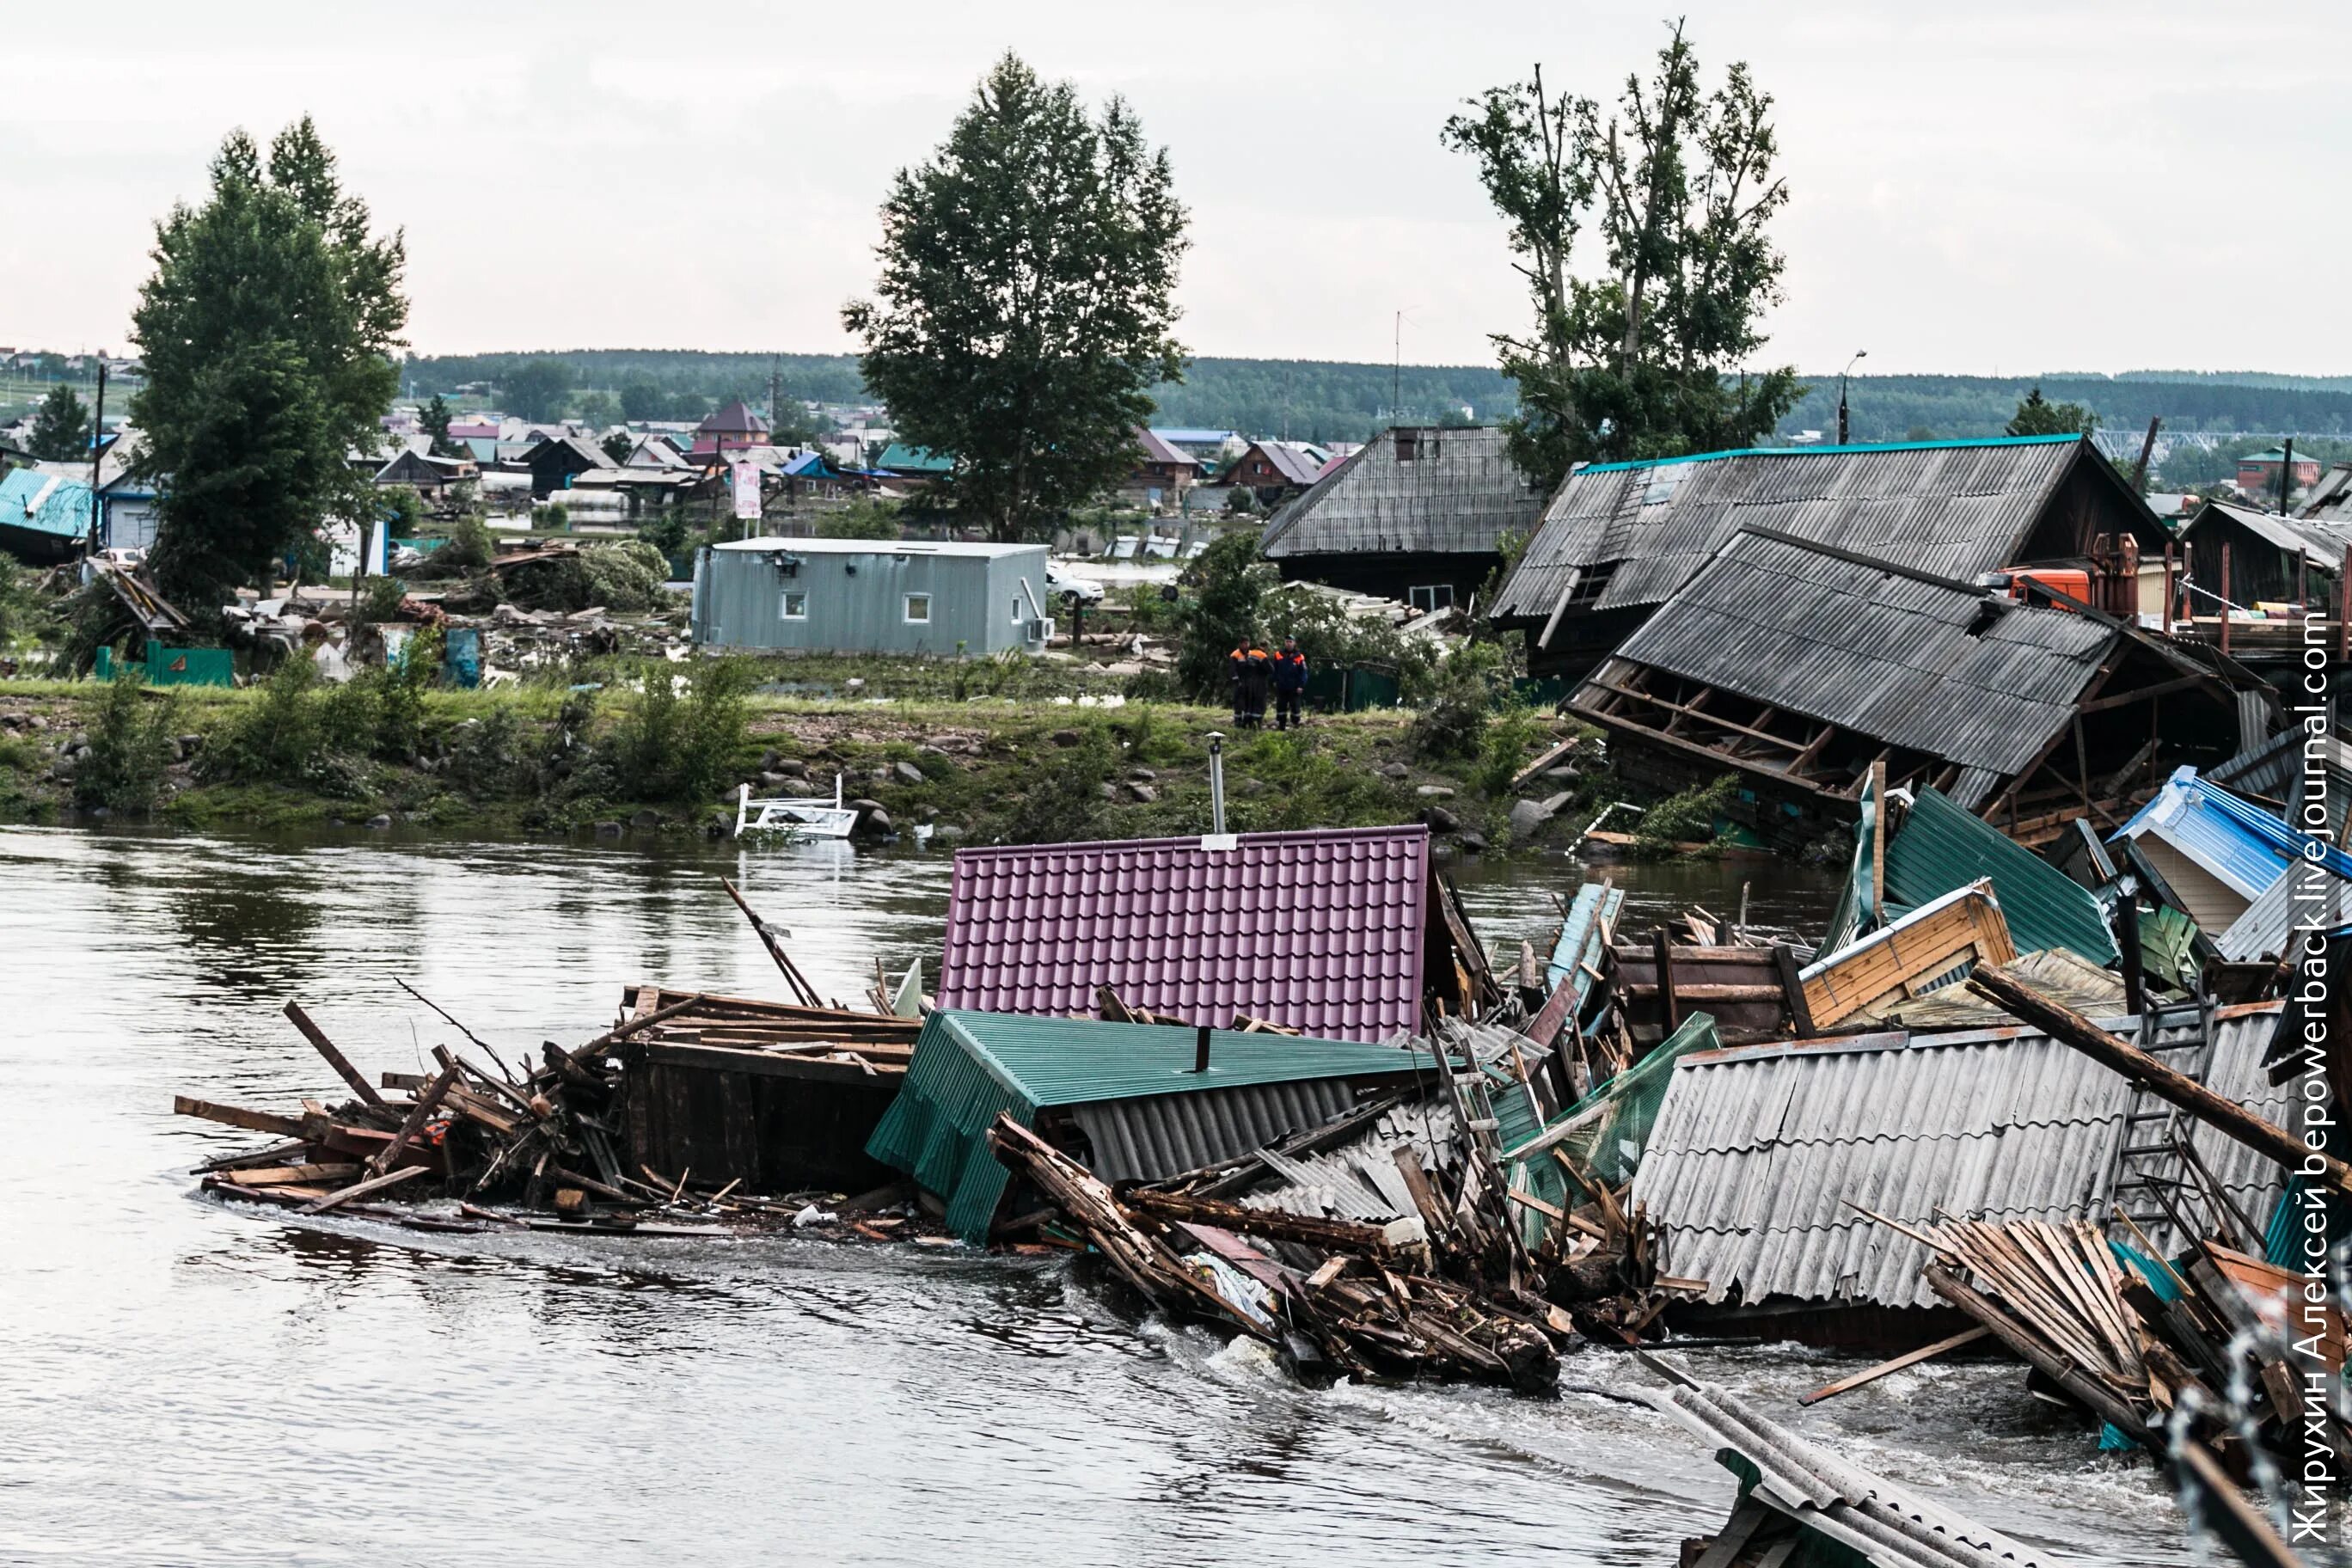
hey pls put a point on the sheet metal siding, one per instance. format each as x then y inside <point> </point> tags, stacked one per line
<point>1459,501</point>
<point>856,603</point>
<point>1941,846</point>
<point>1161,1135</point>
<point>1894,658</point>
<point>969,1068</point>
<point>1758,1154</point>
<point>1318,931</point>
<point>1954,510</point>
<point>65,504</point>
<point>2242,846</point>
<point>2306,896</point>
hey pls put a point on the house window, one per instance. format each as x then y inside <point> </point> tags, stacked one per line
<point>918,609</point>
<point>1016,609</point>
<point>795,605</point>
<point>1430,597</point>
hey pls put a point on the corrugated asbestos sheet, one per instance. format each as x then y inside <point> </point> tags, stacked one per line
<point>1875,1521</point>
<point>1162,1134</point>
<point>1759,1150</point>
<point>1318,931</point>
<point>1954,509</point>
<point>1457,496</point>
<point>969,1068</point>
<point>1359,1180</point>
<point>1941,667</point>
<point>2324,540</point>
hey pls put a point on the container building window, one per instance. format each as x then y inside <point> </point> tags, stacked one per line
<point>918,609</point>
<point>1430,596</point>
<point>795,605</point>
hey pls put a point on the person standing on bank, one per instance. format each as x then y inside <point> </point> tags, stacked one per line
<point>1256,676</point>
<point>1289,684</point>
<point>1237,677</point>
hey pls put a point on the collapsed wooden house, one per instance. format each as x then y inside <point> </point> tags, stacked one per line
<point>1622,539</point>
<point>1345,933</point>
<point>1619,540</point>
<point>1799,666</point>
<point>1418,513</point>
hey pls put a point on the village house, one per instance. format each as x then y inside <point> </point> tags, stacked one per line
<point>1164,473</point>
<point>919,465</point>
<point>1418,515</point>
<point>555,464</point>
<point>2258,472</point>
<point>729,428</point>
<point>2248,556</point>
<point>1274,470</point>
<point>1618,540</point>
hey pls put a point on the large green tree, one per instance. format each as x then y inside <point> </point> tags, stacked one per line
<point>268,331</point>
<point>435,418</point>
<point>1026,301</point>
<point>61,426</point>
<point>1646,355</point>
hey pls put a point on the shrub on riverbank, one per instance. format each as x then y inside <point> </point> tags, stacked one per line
<point>133,743</point>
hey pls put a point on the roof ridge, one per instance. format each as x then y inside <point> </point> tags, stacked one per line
<point>1632,463</point>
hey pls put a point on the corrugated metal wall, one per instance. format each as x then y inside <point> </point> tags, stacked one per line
<point>857,602</point>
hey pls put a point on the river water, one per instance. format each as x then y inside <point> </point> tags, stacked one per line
<point>188,1381</point>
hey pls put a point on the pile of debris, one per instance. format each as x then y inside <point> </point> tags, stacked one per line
<point>564,1144</point>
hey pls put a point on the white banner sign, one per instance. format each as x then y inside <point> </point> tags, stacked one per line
<point>747,492</point>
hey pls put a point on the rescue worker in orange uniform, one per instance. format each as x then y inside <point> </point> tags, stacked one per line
<point>1289,684</point>
<point>1253,674</point>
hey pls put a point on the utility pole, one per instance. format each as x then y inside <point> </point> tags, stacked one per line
<point>2146,452</point>
<point>96,454</point>
<point>773,361</point>
<point>2287,460</point>
<point>1396,369</point>
<point>1858,354</point>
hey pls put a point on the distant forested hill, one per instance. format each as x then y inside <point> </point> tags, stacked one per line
<point>1303,399</point>
<point>1329,400</point>
<point>1948,407</point>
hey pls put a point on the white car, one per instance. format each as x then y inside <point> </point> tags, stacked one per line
<point>1062,585</point>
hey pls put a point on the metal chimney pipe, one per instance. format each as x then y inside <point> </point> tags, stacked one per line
<point>1217,804</point>
<point>1201,1050</point>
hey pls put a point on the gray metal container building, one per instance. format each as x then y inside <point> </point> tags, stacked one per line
<point>866,595</point>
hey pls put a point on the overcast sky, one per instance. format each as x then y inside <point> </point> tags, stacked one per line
<point>2074,185</point>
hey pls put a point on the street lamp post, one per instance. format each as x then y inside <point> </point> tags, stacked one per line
<point>1858,354</point>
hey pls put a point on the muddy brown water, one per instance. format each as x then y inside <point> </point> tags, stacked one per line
<point>188,1381</point>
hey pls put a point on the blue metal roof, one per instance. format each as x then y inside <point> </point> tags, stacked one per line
<point>44,504</point>
<point>1185,436</point>
<point>2239,843</point>
<point>1816,451</point>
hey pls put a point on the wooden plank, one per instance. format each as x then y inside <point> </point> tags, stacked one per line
<point>2089,1392</point>
<point>292,1175</point>
<point>236,1116</point>
<point>362,1189</point>
<point>1908,1358</point>
<point>335,1058</point>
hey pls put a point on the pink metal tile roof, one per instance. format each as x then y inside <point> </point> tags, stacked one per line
<point>1320,931</point>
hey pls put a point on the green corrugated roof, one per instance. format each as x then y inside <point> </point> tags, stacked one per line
<point>969,1068</point>
<point>1941,846</point>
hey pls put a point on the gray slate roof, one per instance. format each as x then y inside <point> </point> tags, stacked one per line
<point>1938,667</point>
<point>2326,537</point>
<point>1457,497</point>
<point>1955,509</point>
<point>1758,1151</point>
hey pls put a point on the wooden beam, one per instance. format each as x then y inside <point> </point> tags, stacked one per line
<point>1692,711</point>
<point>1878,842</point>
<point>1667,981</point>
<point>1908,1358</point>
<point>1313,1230</point>
<point>2087,1391</point>
<point>2222,1114</point>
<point>236,1116</point>
<point>335,1058</point>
